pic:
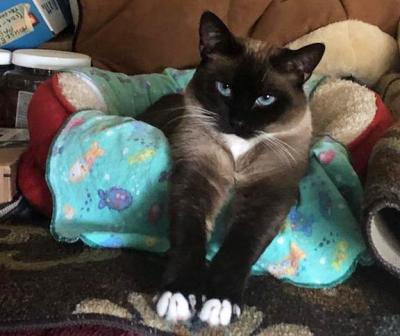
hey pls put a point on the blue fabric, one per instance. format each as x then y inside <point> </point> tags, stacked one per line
<point>109,180</point>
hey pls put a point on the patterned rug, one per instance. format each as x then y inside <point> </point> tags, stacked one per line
<point>73,331</point>
<point>45,284</point>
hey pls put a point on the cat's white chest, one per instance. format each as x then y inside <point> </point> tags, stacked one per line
<point>237,145</point>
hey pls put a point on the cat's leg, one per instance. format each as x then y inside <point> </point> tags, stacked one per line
<point>260,208</point>
<point>197,194</point>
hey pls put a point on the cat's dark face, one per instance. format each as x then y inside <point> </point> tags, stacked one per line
<point>248,87</point>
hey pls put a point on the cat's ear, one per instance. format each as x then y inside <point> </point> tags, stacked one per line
<point>215,37</point>
<point>301,62</point>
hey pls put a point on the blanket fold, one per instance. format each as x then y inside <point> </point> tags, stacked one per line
<point>108,176</point>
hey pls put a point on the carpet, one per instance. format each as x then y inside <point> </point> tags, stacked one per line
<point>73,331</point>
<point>45,284</point>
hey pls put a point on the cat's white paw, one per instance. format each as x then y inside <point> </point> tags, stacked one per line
<point>216,313</point>
<point>174,307</point>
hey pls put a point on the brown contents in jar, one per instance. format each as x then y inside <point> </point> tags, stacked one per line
<point>19,85</point>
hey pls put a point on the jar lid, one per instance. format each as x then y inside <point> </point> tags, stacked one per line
<point>5,57</point>
<point>49,59</point>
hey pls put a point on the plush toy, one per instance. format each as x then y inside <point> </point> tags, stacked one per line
<point>388,87</point>
<point>354,49</point>
<point>347,110</point>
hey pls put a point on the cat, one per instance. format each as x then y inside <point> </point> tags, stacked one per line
<point>242,125</point>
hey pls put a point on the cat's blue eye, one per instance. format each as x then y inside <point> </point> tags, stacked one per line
<point>223,89</point>
<point>265,100</point>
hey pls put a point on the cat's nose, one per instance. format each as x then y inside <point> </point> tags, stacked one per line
<point>236,123</point>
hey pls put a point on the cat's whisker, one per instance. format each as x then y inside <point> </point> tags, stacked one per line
<point>199,108</point>
<point>172,109</point>
<point>207,113</point>
<point>286,150</point>
<point>203,110</point>
<point>205,120</point>
<point>284,143</point>
<point>277,149</point>
<point>279,146</point>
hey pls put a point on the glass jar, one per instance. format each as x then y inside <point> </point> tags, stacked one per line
<point>5,61</point>
<point>5,65</point>
<point>32,68</point>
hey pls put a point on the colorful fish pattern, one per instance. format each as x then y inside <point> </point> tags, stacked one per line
<point>115,199</point>
<point>82,166</point>
<point>326,157</point>
<point>301,222</point>
<point>74,123</point>
<point>68,211</point>
<point>290,264</point>
<point>340,254</point>
<point>141,156</point>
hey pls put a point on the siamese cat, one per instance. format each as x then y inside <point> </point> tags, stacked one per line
<point>241,127</point>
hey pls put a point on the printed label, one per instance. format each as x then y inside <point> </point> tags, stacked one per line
<point>52,14</point>
<point>21,119</point>
<point>15,22</point>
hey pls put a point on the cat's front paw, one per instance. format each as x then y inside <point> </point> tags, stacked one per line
<point>216,312</point>
<point>175,307</point>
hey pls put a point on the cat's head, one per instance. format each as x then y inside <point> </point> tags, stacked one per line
<point>247,86</point>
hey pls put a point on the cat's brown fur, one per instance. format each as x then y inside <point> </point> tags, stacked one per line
<point>264,177</point>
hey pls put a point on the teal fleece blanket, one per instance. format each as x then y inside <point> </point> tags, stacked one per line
<point>108,174</point>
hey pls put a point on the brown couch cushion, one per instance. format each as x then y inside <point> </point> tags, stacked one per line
<point>136,36</point>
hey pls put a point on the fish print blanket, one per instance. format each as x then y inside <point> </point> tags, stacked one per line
<point>108,175</point>
<point>109,180</point>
